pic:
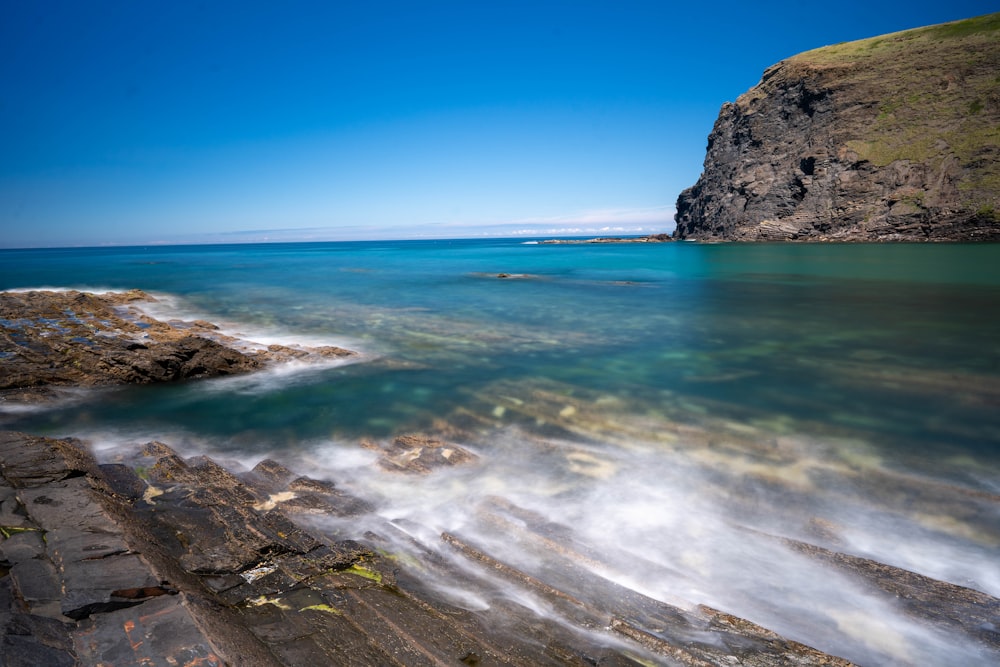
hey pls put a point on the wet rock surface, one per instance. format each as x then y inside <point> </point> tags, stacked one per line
<point>419,454</point>
<point>155,559</point>
<point>61,339</point>
<point>887,139</point>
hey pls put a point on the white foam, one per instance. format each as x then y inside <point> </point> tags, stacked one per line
<point>254,337</point>
<point>62,289</point>
<point>659,524</point>
<point>659,530</point>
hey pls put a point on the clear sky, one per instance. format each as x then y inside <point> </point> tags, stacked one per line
<point>145,122</point>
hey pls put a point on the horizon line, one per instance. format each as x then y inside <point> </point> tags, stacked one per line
<point>169,244</point>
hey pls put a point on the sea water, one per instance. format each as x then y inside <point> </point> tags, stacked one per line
<point>677,404</point>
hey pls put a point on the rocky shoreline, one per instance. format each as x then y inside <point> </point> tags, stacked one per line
<point>651,238</point>
<point>51,340</point>
<point>153,558</point>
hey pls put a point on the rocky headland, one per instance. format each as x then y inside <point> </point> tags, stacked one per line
<point>893,138</point>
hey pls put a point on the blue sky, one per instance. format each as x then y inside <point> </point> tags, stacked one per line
<point>148,122</point>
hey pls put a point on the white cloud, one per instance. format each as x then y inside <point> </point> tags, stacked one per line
<point>660,216</point>
<point>599,222</point>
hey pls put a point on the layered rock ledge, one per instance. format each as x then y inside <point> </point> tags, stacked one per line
<point>154,559</point>
<point>893,138</point>
<point>59,339</point>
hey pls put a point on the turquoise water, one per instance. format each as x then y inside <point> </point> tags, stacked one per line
<point>725,379</point>
<point>785,330</point>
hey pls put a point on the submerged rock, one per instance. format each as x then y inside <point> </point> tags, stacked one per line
<point>419,454</point>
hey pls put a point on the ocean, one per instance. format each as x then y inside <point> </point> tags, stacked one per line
<point>678,408</point>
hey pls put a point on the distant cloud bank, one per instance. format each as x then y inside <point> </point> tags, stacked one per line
<point>610,222</point>
<point>635,221</point>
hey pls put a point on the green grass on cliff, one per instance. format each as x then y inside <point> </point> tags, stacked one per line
<point>980,29</point>
<point>938,97</point>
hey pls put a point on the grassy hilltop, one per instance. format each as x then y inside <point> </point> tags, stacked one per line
<point>946,100</point>
<point>895,137</point>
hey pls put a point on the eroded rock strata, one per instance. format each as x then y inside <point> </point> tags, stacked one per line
<point>68,338</point>
<point>157,559</point>
<point>894,138</point>
<point>191,564</point>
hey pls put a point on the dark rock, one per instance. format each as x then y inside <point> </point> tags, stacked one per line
<point>26,651</point>
<point>23,546</point>
<point>887,139</point>
<point>54,339</point>
<point>123,480</point>
<point>960,609</point>
<point>201,574</point>
<point>26,465</point>
<point>313,485</point>
<point>270,475</point>
<point>37,583</point>
<point>84,570</point>
<point>157,632</point>
<point>61,338</point>
<point>12,516</point>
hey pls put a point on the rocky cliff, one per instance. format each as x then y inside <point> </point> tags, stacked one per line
<point>894,138</point>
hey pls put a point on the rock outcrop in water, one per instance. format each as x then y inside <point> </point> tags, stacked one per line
<point>894,138</point>
<point>58,339</point>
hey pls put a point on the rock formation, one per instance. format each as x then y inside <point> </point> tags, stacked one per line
<point>53,339</point>
<point>893,138</point>
<point>190,564</point>
<point>160,560</point>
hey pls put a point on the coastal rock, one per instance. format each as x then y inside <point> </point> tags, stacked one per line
<point>892,138</point>
<point>59,339</point>
<point>76,338</point>
<point>160,560</point>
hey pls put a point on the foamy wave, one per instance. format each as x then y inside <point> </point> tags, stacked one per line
<point>272,378</point>
<point>82,288</point>
<point>656,524</point>
<point>251,337</point>
<point>652,521</point>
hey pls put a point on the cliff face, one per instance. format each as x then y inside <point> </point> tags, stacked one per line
<point>894,138</point>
